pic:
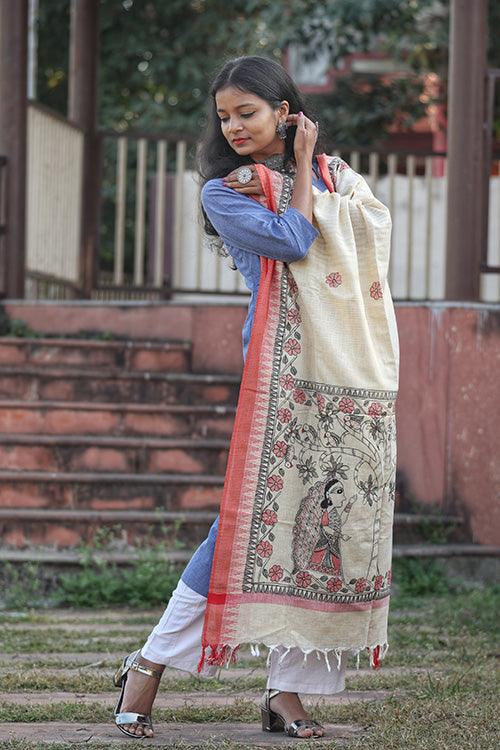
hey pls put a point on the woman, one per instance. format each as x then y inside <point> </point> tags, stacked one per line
<point>300,432</point>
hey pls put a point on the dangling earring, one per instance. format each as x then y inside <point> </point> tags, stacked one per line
<point>281,130</point>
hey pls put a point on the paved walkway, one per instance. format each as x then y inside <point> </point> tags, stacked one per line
<point>194,735</point>
<point>63,704</point>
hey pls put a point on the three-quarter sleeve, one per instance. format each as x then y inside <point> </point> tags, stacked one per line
<point>244,223</point>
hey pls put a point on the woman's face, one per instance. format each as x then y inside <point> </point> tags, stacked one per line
<point>335,493</point>
<point>249,123</point>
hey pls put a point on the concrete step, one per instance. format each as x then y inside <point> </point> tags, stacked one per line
<point>114,385</point>
<point>53,417</point>
<point>63,558</point>
<point>109,491</point>
<point>21,526</point>
<point>75,453</point>
<point>170,734</point>
<point>151,356</point>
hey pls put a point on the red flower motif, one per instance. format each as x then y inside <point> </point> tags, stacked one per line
<point>275,483</point>
<point>299,396</point>
<point>292,284</point>
<point>265,549</point>
<point>334,279</point>
<point>333,584</point>
<point>376,290</point>
<point>303,579</point>
<point>294,316</point>
<point>269,517</point>
<point>293,347</point>
<point>321,401</point>
<point>377,584</point>
<point>375,409</point>
<point>280,449</point>
<point>287,382</point>
<point>360,585</point>
<point>389,577</point>
<point>284,415</point>
<point>346,405</point>
<point>276,573</point>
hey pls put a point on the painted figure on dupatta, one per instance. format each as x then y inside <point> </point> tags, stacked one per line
<point>317,533</point>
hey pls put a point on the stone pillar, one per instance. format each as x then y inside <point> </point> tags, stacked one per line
<point>466,151</point>
<point>13,145</point>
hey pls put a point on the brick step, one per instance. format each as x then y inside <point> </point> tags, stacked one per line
<point>75,453</point>
<point>85,418</point>
<point>67,528</point>
<point>127,355</point>
<point>109,491</point>
<point>64,557</point>
<point>112,385</point>
<point>20,527</point>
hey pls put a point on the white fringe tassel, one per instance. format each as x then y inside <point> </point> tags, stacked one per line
<point>384,647</point>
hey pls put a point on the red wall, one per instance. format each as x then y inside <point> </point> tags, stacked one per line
<point>448,404</point>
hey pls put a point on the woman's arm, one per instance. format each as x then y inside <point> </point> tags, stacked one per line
<point>303,146</point>
<point>244,223</point>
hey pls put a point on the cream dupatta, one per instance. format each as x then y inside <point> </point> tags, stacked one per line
<point>304,546</point>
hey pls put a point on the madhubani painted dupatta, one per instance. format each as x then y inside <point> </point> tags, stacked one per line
<point>304,545</point>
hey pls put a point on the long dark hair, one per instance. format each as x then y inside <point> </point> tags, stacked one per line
<point>257,75</point>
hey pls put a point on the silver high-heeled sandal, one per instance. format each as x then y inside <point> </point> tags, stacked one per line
<point>275,722</point>
<point>128,717</point>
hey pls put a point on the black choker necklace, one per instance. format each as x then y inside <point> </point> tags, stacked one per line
<point>276,162</point>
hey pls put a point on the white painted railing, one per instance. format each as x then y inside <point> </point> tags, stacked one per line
<point>54,203</point>
<point>158,240</point>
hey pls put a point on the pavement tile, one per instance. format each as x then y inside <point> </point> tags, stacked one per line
<point>194,735</point>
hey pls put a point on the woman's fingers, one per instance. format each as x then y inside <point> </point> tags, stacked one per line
<point>252,187</point>
<point>256,190</point>
<point>301,119</point>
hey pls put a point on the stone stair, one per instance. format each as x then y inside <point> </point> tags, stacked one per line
<point>107,433</point>
<point>122,434</point>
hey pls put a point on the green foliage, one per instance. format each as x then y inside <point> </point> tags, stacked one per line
<point>148,581</point>
<point>22,330</point>
<point>14,327</point>
<point>158,57</point>
<point>362,107</point>
<point>21,586</point>
<point>420,576</point>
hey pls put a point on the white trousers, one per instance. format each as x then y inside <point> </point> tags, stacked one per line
<point>176,642</point>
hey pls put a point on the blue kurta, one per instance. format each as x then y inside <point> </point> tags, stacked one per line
<point>248,230</point>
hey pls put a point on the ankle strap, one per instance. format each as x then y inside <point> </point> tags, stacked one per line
<point>272,693</point>
<point>136,667</point>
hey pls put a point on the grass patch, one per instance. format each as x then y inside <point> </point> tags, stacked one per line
<point>53,642</point>
<point>240,710</point>
<point>212,744</point>
<point>445,711</point>
<point>149,581</point>
<point>86,682</point>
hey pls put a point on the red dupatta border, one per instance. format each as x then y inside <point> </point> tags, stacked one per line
<point>221,654</point>
<point>239,445</point>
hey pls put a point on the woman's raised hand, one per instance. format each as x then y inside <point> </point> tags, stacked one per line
<point>253,187</point>
<point>305,136</point>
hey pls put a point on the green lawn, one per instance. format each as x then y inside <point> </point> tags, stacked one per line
<point>452,705</point>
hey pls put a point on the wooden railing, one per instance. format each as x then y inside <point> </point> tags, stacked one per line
<point>152,239</point>
<point>153,245</point>
<point>53,210</point>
